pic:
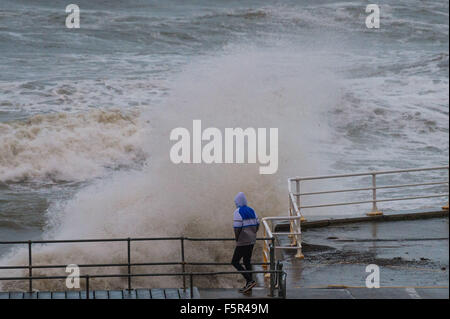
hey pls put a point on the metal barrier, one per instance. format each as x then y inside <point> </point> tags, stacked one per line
<point>295,203</point>
<point>294,234</point>
<point>276,275</point>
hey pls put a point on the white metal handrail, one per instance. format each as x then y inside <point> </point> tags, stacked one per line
<point>295,202</point>
<point>371,173</point>
<point>294,235</point>
<point>295,216</point>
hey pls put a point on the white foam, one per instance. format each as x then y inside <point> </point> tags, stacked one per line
<point>69,146</point>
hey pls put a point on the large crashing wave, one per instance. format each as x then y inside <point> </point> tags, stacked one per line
<point>247,88</point>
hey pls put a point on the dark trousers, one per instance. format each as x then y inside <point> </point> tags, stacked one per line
<point>245,253</point>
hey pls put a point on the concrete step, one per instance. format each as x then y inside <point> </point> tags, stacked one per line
<point>166,293</point>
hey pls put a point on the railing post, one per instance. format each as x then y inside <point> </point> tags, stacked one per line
<point>87,286</point>
<point>272,268</point>
<point>297,187</point>
<point>375,210</point>
<point>129,262</point>
<point>280,279</point>
<point>291,207</point>
<point>266,252</point>
<point>282,284</point>
<point>183,265</point>
<point>298,240</point>
<point>264,249</point>
<point>191,286</point>
<point>293,229</point>
<point>30,268</point>
<point>277,277</point>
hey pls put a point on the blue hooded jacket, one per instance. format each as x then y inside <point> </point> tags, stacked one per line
<point>245,222</point>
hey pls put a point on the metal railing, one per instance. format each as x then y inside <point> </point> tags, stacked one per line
<point>277,275</point>
<point>294,234</point>
<point>295,203</point>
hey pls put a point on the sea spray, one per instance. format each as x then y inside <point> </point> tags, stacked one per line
<point>248,87</point>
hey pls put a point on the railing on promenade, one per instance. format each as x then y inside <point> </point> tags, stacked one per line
<point>276,273</point>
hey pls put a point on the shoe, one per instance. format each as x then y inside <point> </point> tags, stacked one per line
<point>248,287</point>
<point>241,290</point>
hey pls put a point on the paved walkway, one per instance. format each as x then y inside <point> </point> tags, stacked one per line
<point>365,293</point>
<point>409,253</point>
<point>333,293</point>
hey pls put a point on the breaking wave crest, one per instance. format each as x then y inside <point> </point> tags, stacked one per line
<point>69,147</point>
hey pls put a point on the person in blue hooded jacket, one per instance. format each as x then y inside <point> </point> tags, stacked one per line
<point>246,225</point>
